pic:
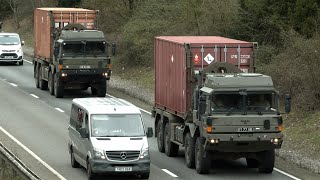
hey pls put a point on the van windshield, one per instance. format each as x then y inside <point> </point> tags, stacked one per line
<point>116,125</point>
<point>9,40</point>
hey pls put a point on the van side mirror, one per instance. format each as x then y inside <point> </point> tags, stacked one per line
<point>149,132</point>
<point>84,133</point>
<point>22,43</point>
<point>287,103</point>
<point>113,49</point>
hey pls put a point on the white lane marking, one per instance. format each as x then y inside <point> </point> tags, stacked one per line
<point>34,96</point>
<point>33,154</point>
<point>28,61</point>
<point>12,84</point>
<point>170,173</point>
<point>58,109</point>
<point>139,108</point>
<point>289,175</point>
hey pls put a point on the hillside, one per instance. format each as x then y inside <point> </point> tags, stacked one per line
<point>286,31</point>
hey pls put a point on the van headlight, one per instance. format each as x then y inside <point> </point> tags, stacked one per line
<point>19,50</point>
<point>144,151</point>
<point>98,154</point>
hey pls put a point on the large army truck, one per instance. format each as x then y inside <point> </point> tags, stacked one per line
<point>69,51</point>
<point>209,101</point>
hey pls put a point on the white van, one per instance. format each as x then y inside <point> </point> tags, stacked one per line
<point>11,48</point>
<point>107,135</point>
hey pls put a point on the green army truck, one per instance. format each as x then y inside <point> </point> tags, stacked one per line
<point>209,101</point>
<point>69,53</point>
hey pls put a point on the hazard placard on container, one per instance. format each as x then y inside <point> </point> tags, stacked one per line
<point>196,58</point>
<point>209,58</point>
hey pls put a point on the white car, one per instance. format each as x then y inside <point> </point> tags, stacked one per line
<point>11,48</point>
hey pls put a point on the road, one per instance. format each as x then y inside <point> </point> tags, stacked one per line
<point>39,121</point>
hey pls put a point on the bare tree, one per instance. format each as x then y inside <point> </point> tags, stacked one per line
<point>14,5</point>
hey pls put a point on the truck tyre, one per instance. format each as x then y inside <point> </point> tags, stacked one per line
<point>170,148</point>
<point>58,86</point>
<point>145,175</point>
<point>74,162</point>
<point>252,163</point>
<point>102,90</point>
<point>50,83</point>
<point>202,158</point>
<point>189,151</point>
<point>36,74</point>
<point>90,174</point>
<point>43,85</point>
<point>160,138</point>
<point>267,161</point>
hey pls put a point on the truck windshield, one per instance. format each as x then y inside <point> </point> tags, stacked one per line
<point>9,40</point>
<point>116,125</point>
<point>251,103</point>
<point>84,48</point>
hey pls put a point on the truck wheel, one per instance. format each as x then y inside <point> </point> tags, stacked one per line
<point>170,148</point>
<point>267,161</point>
<point>43,85</point>
<point>36,78</point>
<point>74,162</point>
<point>160,140</point>
<point>102,90</point>
<point>252,163</point>
<point>58,86</point>
<point>50,83</point>
<point>90,174</point>
<point>202,159</point>
<point>189,151</point>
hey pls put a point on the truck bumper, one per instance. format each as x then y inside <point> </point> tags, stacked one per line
<point>251,142</point>
<point>108,167</point>
<point>85,75</point>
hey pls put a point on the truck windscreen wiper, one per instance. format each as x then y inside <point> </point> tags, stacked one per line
<point>231,110</point>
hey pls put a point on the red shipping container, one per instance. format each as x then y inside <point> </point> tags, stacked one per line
<point>173,91</point>
<point>47,19</point>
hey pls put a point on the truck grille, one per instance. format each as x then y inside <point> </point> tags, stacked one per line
<point>122,155</point>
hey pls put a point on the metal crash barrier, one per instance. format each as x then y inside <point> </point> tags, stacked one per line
<point>16,167</point>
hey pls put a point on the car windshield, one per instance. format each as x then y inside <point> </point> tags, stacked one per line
<point>116,125</point>
<point>251,102</point>
<point>9,39</point>
<point>87,48</point>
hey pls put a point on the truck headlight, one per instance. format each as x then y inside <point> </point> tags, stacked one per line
<point>144,152</point>
<point>98,154</point>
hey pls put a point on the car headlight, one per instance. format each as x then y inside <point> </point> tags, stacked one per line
<point>144,151</point>
<point>98,154</point>
<point>19,50</point>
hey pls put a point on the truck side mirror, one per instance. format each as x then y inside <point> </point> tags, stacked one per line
<point>202,105</point>
<point>84,133</point>
<point>113,49</point>
<point>287,103</point>
<point>149,132</point>
<point>56,51</point>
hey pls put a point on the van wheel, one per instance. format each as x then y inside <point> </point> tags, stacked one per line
<point>102,90</point>
<point>36,78</point>
<point>170,148</point>
<point>202,158</point>
<point>267,161</point>
<point>160,140</point>
<point>58,86</point>
<point>90,174</point>
<point>43,85</point>
<point>74,162</point>
<point>21,63</point>
<point>145,175</point>
<point>50,83</point>
<point>189,153</point>
<point>252,163</point>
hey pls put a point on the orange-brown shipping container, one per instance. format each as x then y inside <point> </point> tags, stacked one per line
<point>48,19</point>
<point>173,91</point>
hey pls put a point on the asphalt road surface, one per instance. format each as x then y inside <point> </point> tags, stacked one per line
<point>33,125</point>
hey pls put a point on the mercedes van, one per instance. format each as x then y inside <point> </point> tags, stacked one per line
<point>11,48</point>
<point>107,135</point>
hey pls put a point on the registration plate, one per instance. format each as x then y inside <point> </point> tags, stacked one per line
<point>123,169</point>
<point>8,57</point>
<point>245,129</point>
<point>85,67</point>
